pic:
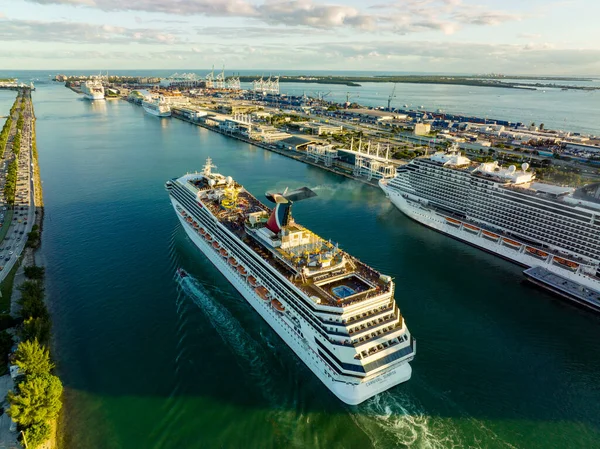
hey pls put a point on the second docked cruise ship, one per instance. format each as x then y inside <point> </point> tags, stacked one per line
<point>506,212</point>
<point>336,313</point>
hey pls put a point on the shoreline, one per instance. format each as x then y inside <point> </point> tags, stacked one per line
<point>281,152</point>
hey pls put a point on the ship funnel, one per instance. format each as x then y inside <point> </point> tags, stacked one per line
<point>281,214</point>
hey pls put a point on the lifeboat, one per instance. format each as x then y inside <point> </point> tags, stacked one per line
<point>536,252</point>
<point>471,228</point>
<point>183,214</point>
<point>511,242</point>
<point>490,235</point>
<point>566,263</point>
<point>202,231</point>
<point>189,219</point>
<point>232,262</point>
<point>216,245</point>
<point>452,221</point>
<point>242,270</point>
<point>195,225</point>
<point>208,237</point>
<point>277,305</point>
<point>223,252</point>
<point>252,281</point>
<point>262,292</point>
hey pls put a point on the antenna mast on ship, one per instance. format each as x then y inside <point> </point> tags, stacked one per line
<point>206,171</point>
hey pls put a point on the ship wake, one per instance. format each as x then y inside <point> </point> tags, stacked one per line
<point>248,352</point>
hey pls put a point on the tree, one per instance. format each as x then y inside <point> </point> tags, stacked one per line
<point>37,329</point>
<point>32,358</point>
<point>34,272</point>
<point>36,435</point>
<point>37,400</point>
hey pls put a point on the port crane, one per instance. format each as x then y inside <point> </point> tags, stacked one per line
<point>348,97</point>
<point>321,95</point>
<point>392,95</point>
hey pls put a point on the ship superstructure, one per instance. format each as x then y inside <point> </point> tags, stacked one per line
<point>504,211</point>
<point>158,106</point>
<point>336,313</point>
<point>93,89</point>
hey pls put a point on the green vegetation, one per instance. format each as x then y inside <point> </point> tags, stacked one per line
<point>16,144</point>
<point>407,154</point>
<point>33,238</point>
<point>4,135</point>
<point>426,79</point>
<point>37,400</point>
<point>7,321</point>
<point>6,343</point>
<point>37,434</point>
<point>6,288</point>
<point>10,188</point>
<point>33,359</point>
<point>33,271</point>
<point>561,176</point>
<point>32,301</point>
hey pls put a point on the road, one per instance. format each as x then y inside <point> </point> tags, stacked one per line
<point>24,208</point>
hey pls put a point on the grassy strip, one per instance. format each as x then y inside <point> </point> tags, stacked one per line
<point>6,287</point>
<point>8,216</point>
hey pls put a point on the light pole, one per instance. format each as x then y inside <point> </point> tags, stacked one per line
<point>24,439</point>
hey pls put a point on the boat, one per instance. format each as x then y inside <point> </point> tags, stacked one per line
<point>520,212</point>
<point>565,262</point>
<point>216,245</point>
<point>223,252</point>
<point>511,242</point>
<point>453,222</point>
<point>536,252</point>
<point>490,235</point>
<point>563,287</point>
<point>312,293</point>
<point>277,305</point>
<point>157,106</point>
<point>182,273</point>
<point>469,227</point>
<point>93,89</point>
<point>262,292</point>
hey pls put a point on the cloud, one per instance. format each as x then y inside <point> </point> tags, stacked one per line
<point>385,55</point>
<point>70,32</point>
<point>402,17</point>
<point>529,36</point>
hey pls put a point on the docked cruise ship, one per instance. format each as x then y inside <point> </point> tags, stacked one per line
<point>157,106</point>
<point>504,211</point>
<point>93,89</point>
<point>336,313</point>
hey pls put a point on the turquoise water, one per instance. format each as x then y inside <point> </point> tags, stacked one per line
<point>149,363</point>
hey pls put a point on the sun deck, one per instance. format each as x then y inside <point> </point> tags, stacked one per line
<point>336,279</point>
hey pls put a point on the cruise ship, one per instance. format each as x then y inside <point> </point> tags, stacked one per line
<point>157,106</point>
<point>504,211</point>
<point>337,314</point>
<point>93,89</point>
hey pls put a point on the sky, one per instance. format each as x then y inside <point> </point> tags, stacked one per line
<point>537,37</point>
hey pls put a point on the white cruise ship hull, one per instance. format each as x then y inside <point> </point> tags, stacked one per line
<point>350,393</point>
<point>93,96</point>
<point>431,219</point>
<point>157,113</point>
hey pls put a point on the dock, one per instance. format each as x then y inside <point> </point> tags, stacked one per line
<point>291,154</point>
<point>564,287</point>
